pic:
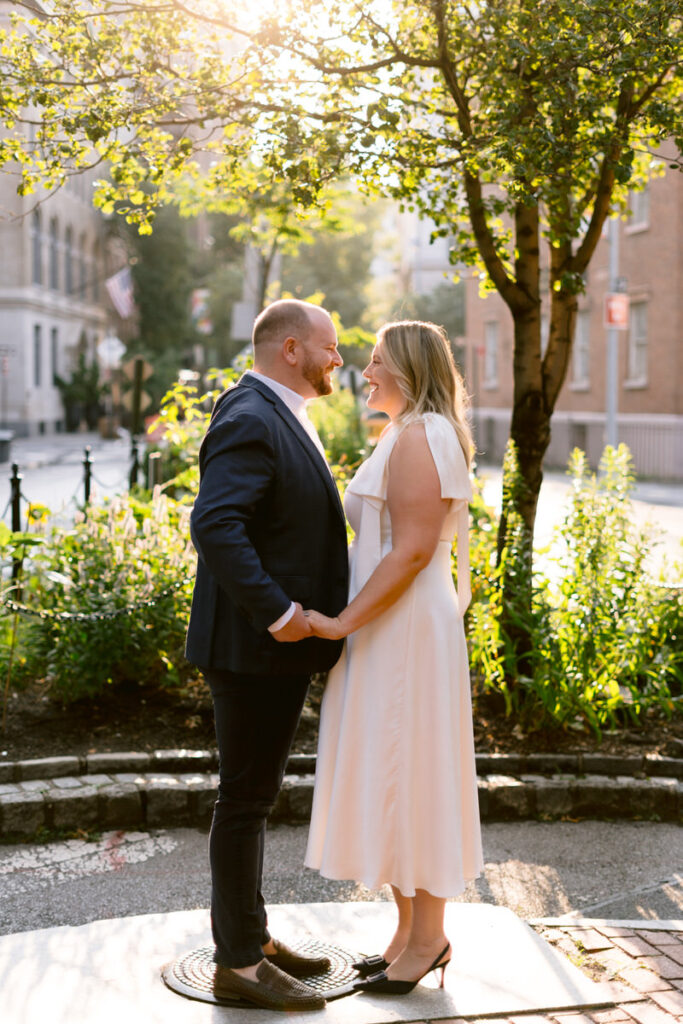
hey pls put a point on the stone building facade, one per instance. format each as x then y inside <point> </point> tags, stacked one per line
<point>52,299</point>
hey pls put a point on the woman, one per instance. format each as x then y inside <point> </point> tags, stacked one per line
<point>395,792</point>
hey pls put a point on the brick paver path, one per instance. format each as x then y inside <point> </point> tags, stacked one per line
<point>636,961</point>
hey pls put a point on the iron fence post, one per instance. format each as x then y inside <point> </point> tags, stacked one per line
<point>15,491</point>
<point>135,462</point>
<point>87,474</point>
<point>153,470</point>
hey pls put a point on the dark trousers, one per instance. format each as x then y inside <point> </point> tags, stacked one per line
<point>256,719</point>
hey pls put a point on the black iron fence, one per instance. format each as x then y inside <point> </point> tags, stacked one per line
<point>18,500</point>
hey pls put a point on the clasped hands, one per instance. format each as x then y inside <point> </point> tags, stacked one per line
<point>308,623</point>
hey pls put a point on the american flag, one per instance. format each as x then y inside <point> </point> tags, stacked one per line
<point>120,289</point>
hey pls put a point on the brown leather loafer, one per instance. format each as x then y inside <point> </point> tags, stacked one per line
<point>274,989</point>
<point>297,964</point>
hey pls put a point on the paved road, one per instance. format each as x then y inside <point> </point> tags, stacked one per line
<point>620,870</point>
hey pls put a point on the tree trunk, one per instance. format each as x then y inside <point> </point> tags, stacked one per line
<point>533,405</point>
<point>265,265</point>
<point>538,378</point>
<point>530,428</point>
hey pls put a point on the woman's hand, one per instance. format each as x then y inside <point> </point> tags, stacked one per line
<point>321,625</point>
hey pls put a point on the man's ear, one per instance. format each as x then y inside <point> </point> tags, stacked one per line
<point>289,352</point>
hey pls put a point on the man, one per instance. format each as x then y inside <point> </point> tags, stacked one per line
<point>270,533</point>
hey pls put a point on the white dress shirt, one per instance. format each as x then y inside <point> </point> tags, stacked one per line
<point>296,404</point>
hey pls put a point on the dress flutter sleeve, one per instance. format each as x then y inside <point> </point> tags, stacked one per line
<point>454,477</point>
<point>448,456</point>
<point>369,485</point>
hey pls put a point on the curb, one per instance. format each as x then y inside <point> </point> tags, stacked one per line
<point>183,760</point>
<point>171,788</point>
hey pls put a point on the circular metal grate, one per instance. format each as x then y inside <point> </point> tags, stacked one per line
<point>192,974</point>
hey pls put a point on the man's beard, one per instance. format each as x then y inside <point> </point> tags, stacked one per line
<point>316,377</point>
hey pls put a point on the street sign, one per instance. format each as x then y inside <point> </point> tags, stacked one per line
<point>128,400</point>
<point>110,351</point>
<point>616,311</point>
<point>129,369</point>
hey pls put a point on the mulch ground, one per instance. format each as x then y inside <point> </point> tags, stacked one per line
<point>137,719</point>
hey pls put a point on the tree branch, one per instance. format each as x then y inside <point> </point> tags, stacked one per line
<point>510,292</point>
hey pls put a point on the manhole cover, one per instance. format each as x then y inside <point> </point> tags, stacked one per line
<point>192,974</point>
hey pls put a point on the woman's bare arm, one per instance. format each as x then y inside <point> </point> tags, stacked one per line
<point>417,513</point>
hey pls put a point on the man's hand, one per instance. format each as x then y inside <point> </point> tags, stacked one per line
<point>297,628</point>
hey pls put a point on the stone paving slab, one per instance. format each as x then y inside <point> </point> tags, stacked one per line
<point>109,971</point>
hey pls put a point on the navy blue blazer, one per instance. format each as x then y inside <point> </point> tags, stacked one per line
<point>269,529</point>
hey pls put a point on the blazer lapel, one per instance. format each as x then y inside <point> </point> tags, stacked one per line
<point>302,435</point>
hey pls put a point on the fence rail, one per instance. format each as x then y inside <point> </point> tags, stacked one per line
<point>18,500</point>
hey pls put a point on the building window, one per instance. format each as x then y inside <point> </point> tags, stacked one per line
<point>54,355</point>
<point>637,343</point>
<point>82,268</point>
<point>69,262</point>
<point>580,359</point>
<point>53,254</point>
<point>95,277</point>
<point>639,205</point>
<point>491,354</point>
<point>37,355</point>
<point>36,249</point>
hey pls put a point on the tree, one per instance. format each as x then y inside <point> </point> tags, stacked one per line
<point>267,216</point>
<point>337,264</point>
<point>513,124</point>
<point>163,278</point>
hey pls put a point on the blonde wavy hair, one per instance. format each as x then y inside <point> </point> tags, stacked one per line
<point>419,355</point>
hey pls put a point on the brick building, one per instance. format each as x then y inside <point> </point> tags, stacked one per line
<point>650,380</point>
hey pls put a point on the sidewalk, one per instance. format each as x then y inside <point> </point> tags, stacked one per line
<point>172,788</point>
<point>503,970</point>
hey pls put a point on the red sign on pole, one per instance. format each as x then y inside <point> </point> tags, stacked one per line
<point>616,311</point>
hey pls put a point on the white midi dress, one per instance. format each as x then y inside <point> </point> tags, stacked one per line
<point>395,795</point>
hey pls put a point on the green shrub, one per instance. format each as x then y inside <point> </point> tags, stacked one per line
<point>114,593</point>
<point>337,420</point>
<point>607,640</point>
<point>184,416</point>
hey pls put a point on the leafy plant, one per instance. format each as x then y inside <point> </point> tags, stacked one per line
<point>110,597</point>
<point>338,422</point>
<point>15,646</point>
<point>606,639</point>
<point>184,417</point>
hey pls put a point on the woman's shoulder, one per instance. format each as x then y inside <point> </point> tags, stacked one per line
<point>433,427</point>
<point>437,433</point>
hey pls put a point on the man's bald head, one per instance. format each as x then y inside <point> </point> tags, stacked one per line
<point>283,319</point>
<point>295,343</point>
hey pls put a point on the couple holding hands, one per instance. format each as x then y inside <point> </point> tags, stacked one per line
<point>277,598</point>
